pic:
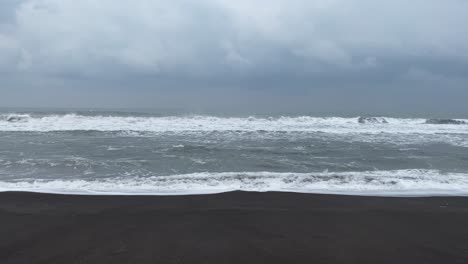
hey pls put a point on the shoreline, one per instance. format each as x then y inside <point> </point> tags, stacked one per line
<point>386,194</point>
<point>232,227</point>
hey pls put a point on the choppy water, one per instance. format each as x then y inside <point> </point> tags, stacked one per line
<point>136,153</point>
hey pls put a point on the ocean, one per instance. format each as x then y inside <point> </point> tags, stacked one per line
<point>161,153</point>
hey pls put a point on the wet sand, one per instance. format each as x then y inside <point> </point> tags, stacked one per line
<point>236,227</point>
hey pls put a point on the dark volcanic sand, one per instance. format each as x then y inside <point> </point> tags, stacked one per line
<point>235,227</point>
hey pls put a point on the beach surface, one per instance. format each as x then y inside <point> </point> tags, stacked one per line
<point>235,227</point>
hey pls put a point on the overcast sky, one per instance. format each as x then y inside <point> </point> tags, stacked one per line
<point>266,55</point>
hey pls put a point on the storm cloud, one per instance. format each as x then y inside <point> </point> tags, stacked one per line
<point>147,52</point>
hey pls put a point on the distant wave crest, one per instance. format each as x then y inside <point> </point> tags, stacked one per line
<point>446,122</point>
<point>369,125</point>
<point>13,118</point>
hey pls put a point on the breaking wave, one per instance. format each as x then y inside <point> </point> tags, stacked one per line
<point>381,183</point>
<point>368,125</point>
<point>13,118</point>
<point>446,122</point>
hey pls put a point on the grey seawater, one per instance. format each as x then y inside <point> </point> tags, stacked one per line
<point>164,153</point>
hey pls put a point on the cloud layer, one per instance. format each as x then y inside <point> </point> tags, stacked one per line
<point>206,36</point>
<point>224,41</point>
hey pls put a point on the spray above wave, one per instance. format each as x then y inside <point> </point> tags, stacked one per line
<point>382,183</point>
<point>369,125</point>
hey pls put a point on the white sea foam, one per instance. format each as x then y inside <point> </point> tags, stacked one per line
<point>73,122</point>
<point>380,183</point>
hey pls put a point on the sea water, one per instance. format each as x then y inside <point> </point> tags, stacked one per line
<point>160,153</point>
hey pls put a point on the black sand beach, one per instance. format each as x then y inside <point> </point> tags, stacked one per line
<point>237,227</point>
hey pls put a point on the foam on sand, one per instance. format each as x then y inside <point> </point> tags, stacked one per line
<point>379,183</point>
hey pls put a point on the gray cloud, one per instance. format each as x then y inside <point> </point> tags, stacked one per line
<point>276,47</point>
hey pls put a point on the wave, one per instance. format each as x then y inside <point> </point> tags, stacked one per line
<point>372,120</point>
<point>376,183</point>
<point>13,118</point>
<point>374,125</point>
<point>446,122</point>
